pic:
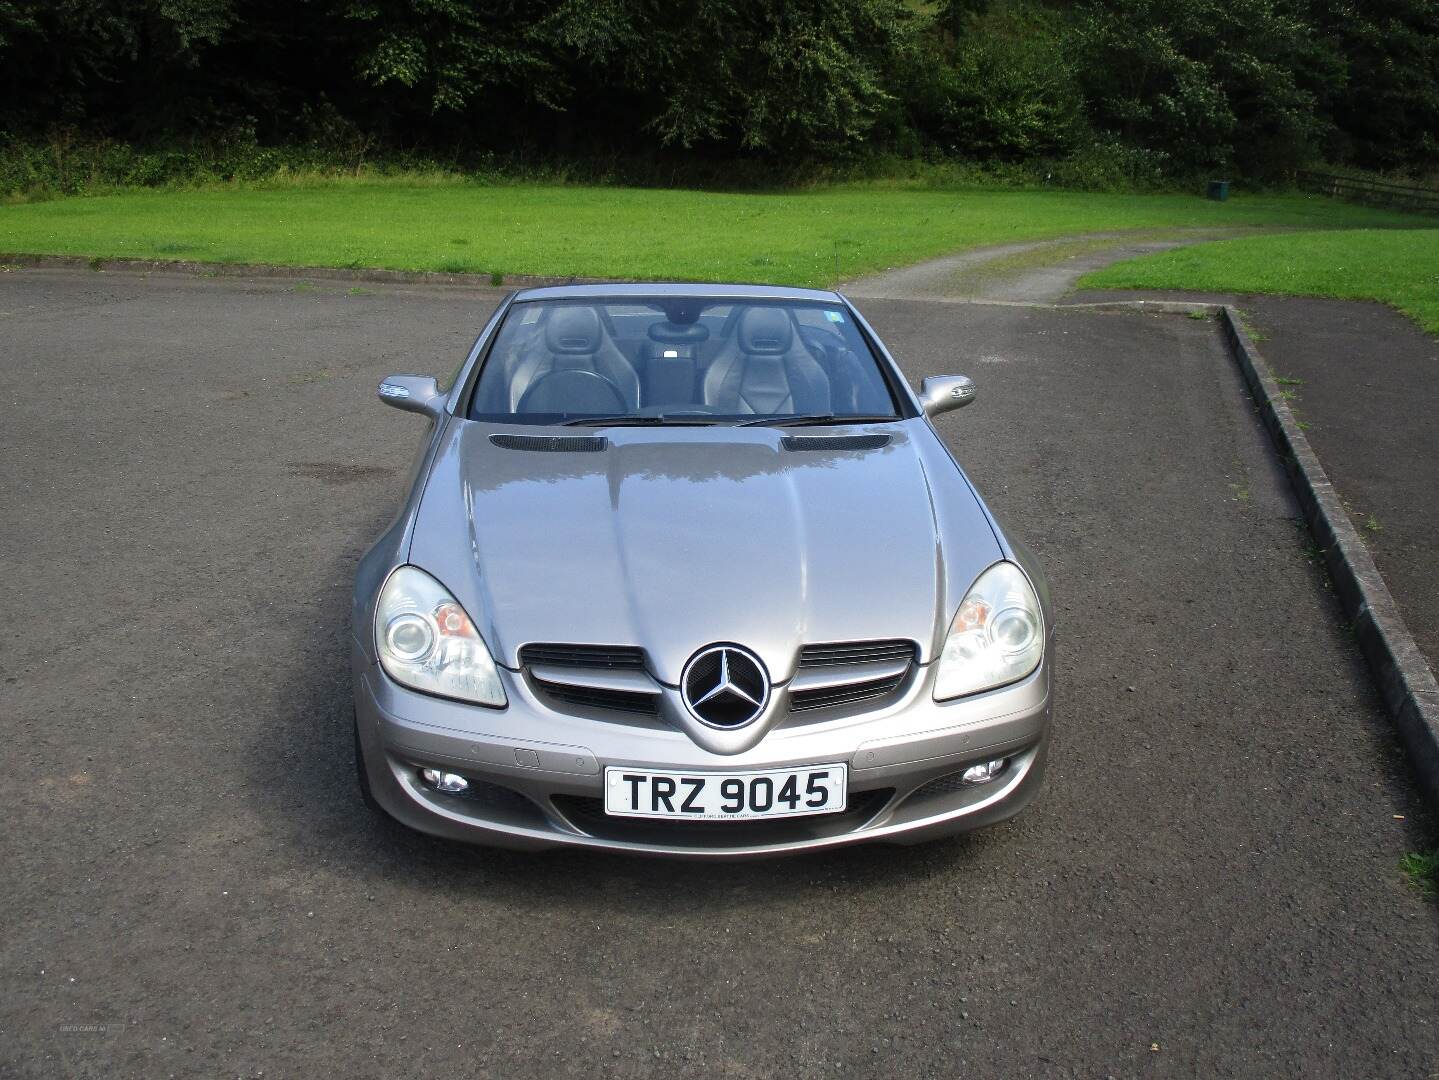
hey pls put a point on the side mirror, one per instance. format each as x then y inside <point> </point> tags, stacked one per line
<point>413,393</point>
<point>941,393</point>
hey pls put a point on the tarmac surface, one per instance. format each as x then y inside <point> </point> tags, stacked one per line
<point>1365,381</point>
<point>1207,887</point>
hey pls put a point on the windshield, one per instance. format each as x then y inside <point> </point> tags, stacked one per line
<point>680,360</point>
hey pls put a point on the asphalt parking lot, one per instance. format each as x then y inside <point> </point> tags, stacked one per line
<point>1207,887</point>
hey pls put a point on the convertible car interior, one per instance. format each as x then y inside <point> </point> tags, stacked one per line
<point>559,360</point>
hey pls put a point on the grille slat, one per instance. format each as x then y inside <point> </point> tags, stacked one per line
<point>600,656</point>
<point>846,695</point>
<point>857,655</point>
<point>862,652</point>
<point>596,697</point>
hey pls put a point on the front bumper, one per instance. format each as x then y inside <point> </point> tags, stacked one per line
<point>539,771</point>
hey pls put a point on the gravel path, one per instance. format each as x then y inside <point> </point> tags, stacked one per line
<point>1041,271</point>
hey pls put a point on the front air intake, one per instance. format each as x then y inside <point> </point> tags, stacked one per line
<point>552,444</point>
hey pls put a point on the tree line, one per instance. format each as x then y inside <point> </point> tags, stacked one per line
<point>1169,87</point>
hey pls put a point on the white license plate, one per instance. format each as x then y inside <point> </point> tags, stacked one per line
<point>726,796</point>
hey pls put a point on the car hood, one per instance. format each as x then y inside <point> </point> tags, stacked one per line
<point>673,538</point>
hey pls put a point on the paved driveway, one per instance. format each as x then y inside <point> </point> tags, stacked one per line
<point>1208,886</point>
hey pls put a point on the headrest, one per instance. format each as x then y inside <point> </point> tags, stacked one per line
<point>573,330</point>
<point>765,330</point>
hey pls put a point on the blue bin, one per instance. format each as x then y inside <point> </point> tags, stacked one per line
<point>1219,190</point>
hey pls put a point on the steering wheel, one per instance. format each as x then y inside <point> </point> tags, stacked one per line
<point>820,340</point>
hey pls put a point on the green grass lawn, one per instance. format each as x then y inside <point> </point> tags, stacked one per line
<point>800,238</point>
<point>1399,267</point>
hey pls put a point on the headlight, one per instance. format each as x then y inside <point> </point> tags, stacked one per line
<point>997,635</point>
<point>426,641</point>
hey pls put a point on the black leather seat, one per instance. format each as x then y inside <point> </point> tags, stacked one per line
<point>573,340</point>
<point>766,369</point>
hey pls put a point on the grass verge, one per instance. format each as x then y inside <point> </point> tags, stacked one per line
<point>1422,871</point>
<point>1397,267</point>
<point>812,237</point>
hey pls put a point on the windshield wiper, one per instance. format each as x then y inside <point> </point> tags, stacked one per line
<point>631,419</point>
<point>805,421</point>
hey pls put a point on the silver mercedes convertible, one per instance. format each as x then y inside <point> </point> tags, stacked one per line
<point>685,570</point>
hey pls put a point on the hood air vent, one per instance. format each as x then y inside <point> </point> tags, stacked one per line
<point>834,442</point>
<point>552,444</point>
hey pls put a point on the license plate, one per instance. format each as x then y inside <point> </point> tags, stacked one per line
<point>726,796</point>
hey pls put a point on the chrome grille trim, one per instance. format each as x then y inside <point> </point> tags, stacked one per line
<point>829,676</point>
<point>629,680</point>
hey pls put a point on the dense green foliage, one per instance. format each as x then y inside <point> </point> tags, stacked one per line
<point>1136,88</point>
<point>1265,84</point>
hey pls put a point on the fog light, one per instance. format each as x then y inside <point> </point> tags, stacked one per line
<point>448,782</point>
<point>983,774</point>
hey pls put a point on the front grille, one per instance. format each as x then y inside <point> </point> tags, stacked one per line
<point>859,655</point>
<point>600,656</point>
<point>588,815</point>
<point>597,658</point>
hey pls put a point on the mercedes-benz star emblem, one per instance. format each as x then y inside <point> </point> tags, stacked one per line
<point>725,686</point>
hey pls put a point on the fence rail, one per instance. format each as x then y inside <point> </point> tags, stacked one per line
<point>1380,192</point>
